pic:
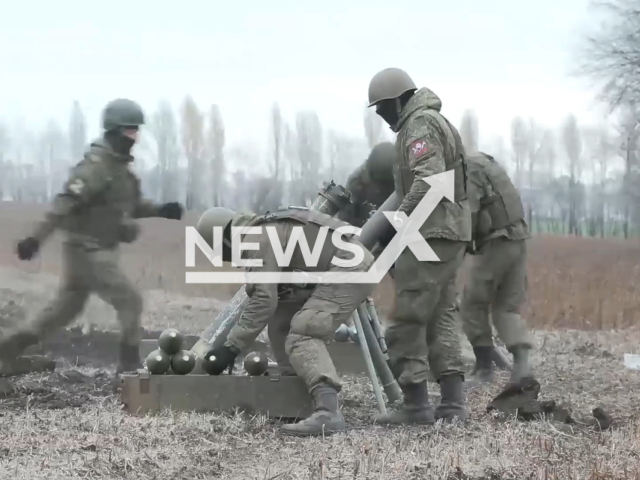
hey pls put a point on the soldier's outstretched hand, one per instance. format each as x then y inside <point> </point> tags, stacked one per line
<point>27,248</point>
<point>171,211</point>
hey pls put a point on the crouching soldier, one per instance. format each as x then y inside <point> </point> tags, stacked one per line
<point>97,208</point>
<point>301,318</point>
<point>498,275</point>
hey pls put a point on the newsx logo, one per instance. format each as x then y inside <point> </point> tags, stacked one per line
<point>407,235</point>
<point>283,256</point>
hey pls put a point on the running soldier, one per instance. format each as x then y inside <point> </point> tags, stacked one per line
<point>97,208</point>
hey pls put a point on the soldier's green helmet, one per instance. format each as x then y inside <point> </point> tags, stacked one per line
<point>388,84</point>
<point>122,112</point>
<point>380,163</point>
<point>214,217</point>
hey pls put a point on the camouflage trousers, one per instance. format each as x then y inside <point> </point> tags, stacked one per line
<point>314,325</point>
<point>84,272</point>
<point>424,333</point>
<point>497,285</point>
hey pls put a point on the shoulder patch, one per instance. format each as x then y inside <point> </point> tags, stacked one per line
<point>420,148</point>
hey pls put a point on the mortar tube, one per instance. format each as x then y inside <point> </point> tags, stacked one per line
<point>376,325</point>
<point>389,383</point>
<point>370,367</point>
<point>216,334</point>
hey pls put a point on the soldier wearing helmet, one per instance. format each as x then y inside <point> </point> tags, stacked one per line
<point>370,184</point>
<point>96,208</point>
<point>307,313</point>
<point>424,328</point>
<point>498,275</point>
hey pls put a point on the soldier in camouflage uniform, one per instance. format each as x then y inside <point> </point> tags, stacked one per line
<point>96,208</point>
<point>424,328</point>
<point>370,185</point>
<point>497,279</point>
<point>302,317</point>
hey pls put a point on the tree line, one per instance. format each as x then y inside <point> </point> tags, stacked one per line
<point>575,179</point>
<point>182,155</point>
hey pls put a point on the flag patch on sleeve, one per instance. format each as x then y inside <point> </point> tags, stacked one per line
<point>419,149</point>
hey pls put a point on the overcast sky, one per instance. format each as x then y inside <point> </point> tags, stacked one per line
<point>499,57</point>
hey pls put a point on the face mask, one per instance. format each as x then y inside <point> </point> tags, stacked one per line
<point>387,111</point>
<point>120,143</point>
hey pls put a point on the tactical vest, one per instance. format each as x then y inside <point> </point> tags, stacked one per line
<point>404,177</point>
<point>505,206</point>
<point>311,224</point>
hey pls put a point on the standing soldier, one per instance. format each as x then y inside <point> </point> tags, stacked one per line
<point>96,208</point>
<point>311,312</point>
<point>370,184</point>
<point>424,327</point>
<point>498,275</point>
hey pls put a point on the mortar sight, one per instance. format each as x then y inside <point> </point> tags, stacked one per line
<point>331,199</point>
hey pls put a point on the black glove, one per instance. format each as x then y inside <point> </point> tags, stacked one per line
<point>224,358</point>
<point>171,210</point>
<point>27,248</point>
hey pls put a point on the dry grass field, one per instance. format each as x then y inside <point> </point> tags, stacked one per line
<point>584,304</point>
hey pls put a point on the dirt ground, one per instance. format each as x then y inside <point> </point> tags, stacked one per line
<point>583,303</point>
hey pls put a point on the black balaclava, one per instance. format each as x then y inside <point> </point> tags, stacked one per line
<point>119,141</point>
<point>390,109</point>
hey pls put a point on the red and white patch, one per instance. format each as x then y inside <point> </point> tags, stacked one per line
<point>419,148</point>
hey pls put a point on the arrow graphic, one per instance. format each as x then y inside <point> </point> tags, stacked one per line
<point>407,236</point>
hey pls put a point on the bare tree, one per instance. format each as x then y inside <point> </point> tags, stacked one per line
<point>534,155</point>
<point>547,158</point>
<point>629,131</point>
<point>373,127</point>
<point>610,55</point>
<point>164,129</point>
<point>334,147</point>
<point>56,151</point>
<point>343,156</point>
<point>310,147</point>
<point>573,147</point>
<point>193,144</point>
<point>215,151</point>
<point>278,138</point>
<point>519,145</point>
<point>77,133</point>
<point>290,154</point>
<point>469,131</point>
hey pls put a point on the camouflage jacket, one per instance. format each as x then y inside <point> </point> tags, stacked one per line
<point>481,188</point>
<point>98,201</point>
<point>417,123</point>
<point>366,196</point>
<point>265,297</point>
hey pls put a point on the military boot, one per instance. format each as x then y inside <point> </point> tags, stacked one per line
<point>325,420</point>
<point>416,408</point>
<point>452,401</point>
<point>522,368</point>
<point>484,371</point>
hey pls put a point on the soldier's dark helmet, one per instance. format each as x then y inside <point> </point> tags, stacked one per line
<point>122,113</point>
<point>380,163</point>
